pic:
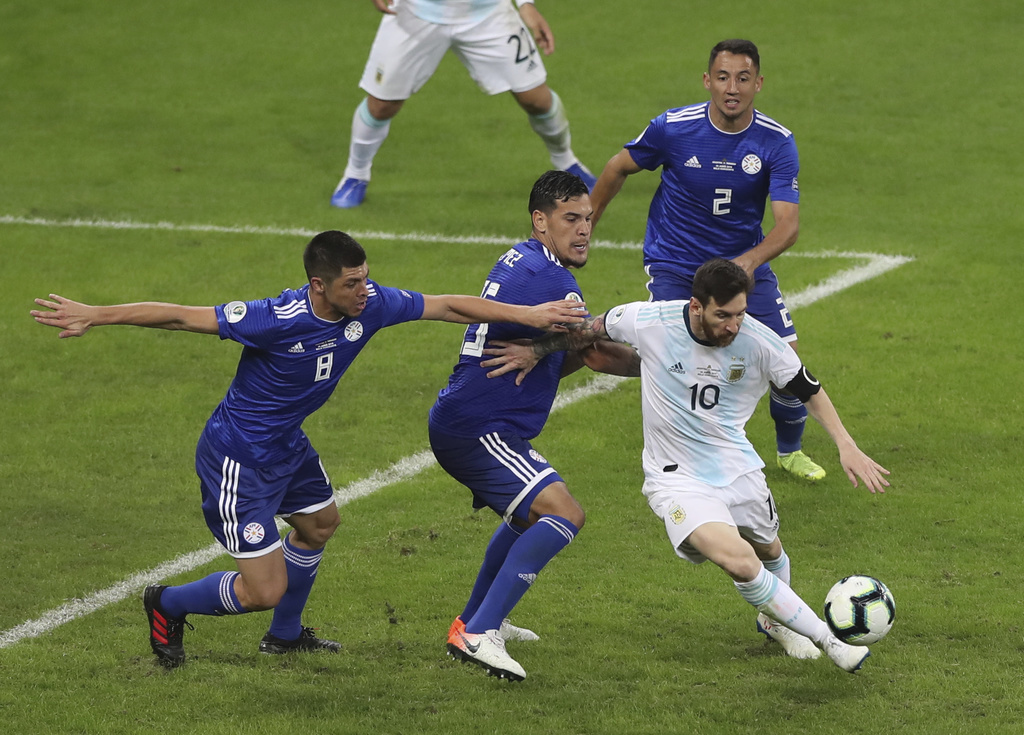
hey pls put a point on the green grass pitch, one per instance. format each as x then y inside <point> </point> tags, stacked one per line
<point>236,115</point>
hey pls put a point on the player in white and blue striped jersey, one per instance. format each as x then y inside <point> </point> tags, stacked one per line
<point>253,460</point>
<point>720,162</point>
<point>704,364</point>
<point>500,48</point>
<point>482,424</point>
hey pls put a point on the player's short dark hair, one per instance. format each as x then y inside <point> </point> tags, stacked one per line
<point>553,187</point>
<point>737,46</point>
<point>721,280</point>
<point>329,252</point>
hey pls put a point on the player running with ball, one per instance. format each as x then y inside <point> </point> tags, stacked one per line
<point>701,378</point>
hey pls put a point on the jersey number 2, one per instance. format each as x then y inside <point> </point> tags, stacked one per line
<point>526,37</point>
<point>724,197</point>
<point>787,320</point>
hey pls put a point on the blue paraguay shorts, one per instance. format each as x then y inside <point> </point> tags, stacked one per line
<point>502,470</point>
<point>240,502</point>
<point>764,303</point>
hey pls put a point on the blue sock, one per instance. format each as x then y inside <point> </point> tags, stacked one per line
<point>302,565</point>
<point>212,595</point>
<point>790,415</point>
<point>494,557</point>
<point>534,549</point>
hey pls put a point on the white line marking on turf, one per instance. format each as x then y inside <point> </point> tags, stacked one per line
<point>405,468</point>
<point>103,224</point>
<point>401,470</point>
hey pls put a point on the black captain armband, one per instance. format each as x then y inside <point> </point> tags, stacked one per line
<point>803,385</point>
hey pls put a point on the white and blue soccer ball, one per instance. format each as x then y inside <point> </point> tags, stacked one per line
<point>860,610</point>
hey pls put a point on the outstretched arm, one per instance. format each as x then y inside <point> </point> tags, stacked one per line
<point>587,338</point>
<point>854,461</point>
<point>601,357</point>
<point>610,182</point>
<point>75,319</point>
<point>475,310</point>
<point>613,358</point>
<point>578,336</point>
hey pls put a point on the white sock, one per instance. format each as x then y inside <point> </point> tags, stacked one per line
<point>368,135</point>
<point>553,129</point>
<point>780,567</point>
<point>777,600</point>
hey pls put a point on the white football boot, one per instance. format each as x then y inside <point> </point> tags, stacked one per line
<point>514,633</point>
<point>793,643</point>
<point>847,657</point>
<point>487,650</point>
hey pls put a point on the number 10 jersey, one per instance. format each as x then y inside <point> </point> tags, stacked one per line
<point>696,397</point>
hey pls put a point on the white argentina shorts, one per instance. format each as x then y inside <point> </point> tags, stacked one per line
<point>684,504</point>
<point>498,51</point>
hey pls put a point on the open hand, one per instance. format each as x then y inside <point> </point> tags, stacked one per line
<point>65,314</point>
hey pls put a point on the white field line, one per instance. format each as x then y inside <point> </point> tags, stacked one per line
<point>102,224</point>
<point>405,468</point>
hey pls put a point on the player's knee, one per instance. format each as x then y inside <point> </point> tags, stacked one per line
<point>266,596</point>
<point>576,516</point>
<point>383,109</point>
<point>536,101</point>
<point>322,535</point>
<point>315,530</point>
<point>769,551</point>
<point>737,559</point>
<point>318,536</point>
<point>556,500</point>
<point>743,568</point>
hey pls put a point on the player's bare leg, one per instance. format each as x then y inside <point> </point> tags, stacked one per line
<point>775,560</point>
<point>722,544</point>
<point>301,550</point>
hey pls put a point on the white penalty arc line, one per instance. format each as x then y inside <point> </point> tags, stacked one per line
<point>405,468</point>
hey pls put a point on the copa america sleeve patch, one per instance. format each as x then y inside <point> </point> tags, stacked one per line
<point>235,311</point>
<point>614,315</point>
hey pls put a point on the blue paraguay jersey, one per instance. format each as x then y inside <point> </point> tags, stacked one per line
<point>711,199</point>
<point>290,363</point>
<point>472,404</point>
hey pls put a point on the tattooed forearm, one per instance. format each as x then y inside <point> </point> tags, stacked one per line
<point>578,337</point>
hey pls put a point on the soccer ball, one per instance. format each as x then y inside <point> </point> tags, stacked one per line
<point>860,610</point>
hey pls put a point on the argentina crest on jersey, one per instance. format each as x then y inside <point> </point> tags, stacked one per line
<point>736,370</point>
